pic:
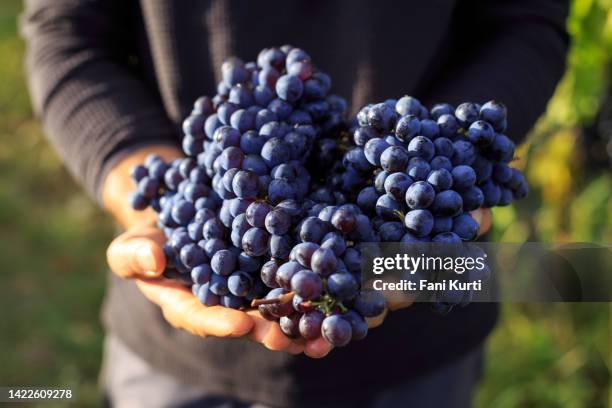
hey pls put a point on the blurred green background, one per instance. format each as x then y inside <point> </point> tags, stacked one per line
<point>53,240</point>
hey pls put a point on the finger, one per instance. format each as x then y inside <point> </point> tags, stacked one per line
<point>268,333</point>
<point>137,254</point>
<point>183,310</point>
<point>317,348</point>
<point>483,218</point>
<point>296,347</point>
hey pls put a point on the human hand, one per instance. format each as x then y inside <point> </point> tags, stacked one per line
<point>138,254</point>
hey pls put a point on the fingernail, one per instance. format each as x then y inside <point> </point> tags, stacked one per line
<point>146,260</point>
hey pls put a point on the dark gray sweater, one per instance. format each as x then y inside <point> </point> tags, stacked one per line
<point>107,76</point>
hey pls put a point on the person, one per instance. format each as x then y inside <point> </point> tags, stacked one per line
<point>111,81</point>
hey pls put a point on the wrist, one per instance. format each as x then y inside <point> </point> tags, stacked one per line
<point>118,184</point>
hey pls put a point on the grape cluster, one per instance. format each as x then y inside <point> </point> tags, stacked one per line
<point>243,212</point>
<point>419,173</point>
<point>274,200</point>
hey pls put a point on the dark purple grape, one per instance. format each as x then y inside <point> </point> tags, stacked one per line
<point>290,325</point>
<point>310,324</point>
<point>255,241</point>
<point>307,284</point>
<point>268,273</point>
<point>370,303</point>
<point>323,261</point>
<point>336,330</point>
<point>359,326</point>
<point>303,252</point>
<point>342,286</point>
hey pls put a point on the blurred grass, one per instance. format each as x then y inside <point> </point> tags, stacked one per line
<point>53,240</point>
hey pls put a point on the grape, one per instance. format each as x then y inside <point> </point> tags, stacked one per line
<point>289,88</point>
<point>407,128</point>
<point>303,253</point>
<point>243,120</point>
<point>502,148</point>
<point>420,195</point>
<point>419,222</point>
<point>148,187</point>
<point>275,151</point>
<point>391,231</point>
<point>268,273</point>
<point>481,133</point>
<point>218,285</point>
<point>239,283</point>
<point>430,129</point>
<point>307,284</point>
<point>206,296</point>
<point>447,203</point>
<point>342,286</point>
<point>366,200</point>
<point>388,208</point>
<point>277,222</point>
<point>310,324</point>
<point>359,326</point>
<point>418,169</point>
<point>182,212</point>
<point>374,149</point>
<point>472,198</point>
<point>421,147</point>
<point>370,303</point>
<point>248,263</point>
<point>363,134</point>
<point>312,230</point>
<point>335,242</point>
<point>502,173</point>
<point>232,301</point>
<point>465,227</point>
<point>494,113</point>
<point>138,201</point>
<point>223,262</point>
<point>213,245</point>
<point>407,105</point>
<point>491,193</point>
<point>382,117</point>
<point>323,261</point>
<point>336,330</point>
<point>257,212</point>
<point>255,241</point>
<point>280,246</point>
<point>466,114</point>
<point>290,325</point>
<point>442,224</point>
<point>285,272</point>
<point>464,177</point>
<point>394,159</point>
<point>344,219</point>
<point>440,179</point>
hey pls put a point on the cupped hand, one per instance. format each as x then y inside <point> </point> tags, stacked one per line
<point>138,254</point>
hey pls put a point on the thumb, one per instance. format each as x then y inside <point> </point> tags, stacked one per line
<point>137,255</point>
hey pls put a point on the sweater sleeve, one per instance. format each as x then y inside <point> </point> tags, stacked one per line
<point>512,51</point>
<point>85,87</point>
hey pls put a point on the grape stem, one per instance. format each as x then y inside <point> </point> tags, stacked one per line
<point>285,298</point>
